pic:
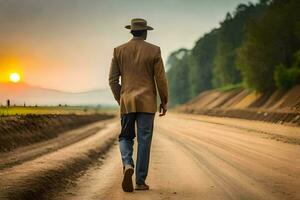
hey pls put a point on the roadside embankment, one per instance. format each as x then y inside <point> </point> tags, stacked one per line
<point>22,130</point>
<point>276,107</point>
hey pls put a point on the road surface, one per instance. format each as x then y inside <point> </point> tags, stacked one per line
<point>192,157</point>
<point>205,158</point>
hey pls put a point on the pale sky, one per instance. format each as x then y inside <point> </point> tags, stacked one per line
<point>67,44</point>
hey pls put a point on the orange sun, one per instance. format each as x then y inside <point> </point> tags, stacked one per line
<point>14,77</point>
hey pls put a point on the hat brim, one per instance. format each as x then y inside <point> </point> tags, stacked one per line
<point>149,28</point>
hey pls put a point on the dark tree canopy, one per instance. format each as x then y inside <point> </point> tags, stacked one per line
<point>271,44</point>
<point>178,76</point>
<point>257,44</point>
<point>202,58</point>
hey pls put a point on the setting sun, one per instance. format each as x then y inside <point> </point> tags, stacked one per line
<point>14,77</point>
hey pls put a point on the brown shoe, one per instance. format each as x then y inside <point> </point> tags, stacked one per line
<point>127,184</point>
<point>142,187</point>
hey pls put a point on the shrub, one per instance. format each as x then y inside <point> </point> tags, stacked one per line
<point>285,78</point>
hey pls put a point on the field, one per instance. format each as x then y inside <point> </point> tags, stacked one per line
<point>21,110</point>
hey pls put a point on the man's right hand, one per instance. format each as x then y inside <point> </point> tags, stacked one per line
<point>162,109</point>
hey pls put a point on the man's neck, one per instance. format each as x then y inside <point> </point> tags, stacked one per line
<point>137,38</point>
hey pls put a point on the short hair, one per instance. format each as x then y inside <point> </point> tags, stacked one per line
<point>138,33</point>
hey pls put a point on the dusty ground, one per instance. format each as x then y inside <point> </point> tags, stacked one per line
<point>211,159</point>
<point>23,130</point>
<point>33,171</point>
<point>192,158</point>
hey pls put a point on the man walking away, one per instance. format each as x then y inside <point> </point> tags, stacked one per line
<point>140,66</point>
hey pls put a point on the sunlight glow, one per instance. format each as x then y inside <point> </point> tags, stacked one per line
<point>14,77</point>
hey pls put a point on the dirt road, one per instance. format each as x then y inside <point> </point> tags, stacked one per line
<point>207,159</point>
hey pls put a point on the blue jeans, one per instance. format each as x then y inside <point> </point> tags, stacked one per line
<point>144,122</point>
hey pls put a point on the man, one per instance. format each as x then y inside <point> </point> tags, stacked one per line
<point>140,66</point>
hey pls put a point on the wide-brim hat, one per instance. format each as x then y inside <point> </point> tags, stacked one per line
<point>138,24</point>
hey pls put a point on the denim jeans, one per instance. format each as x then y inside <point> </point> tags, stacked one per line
<point>144,122</point>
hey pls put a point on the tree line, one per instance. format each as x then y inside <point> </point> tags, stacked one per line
<point>256,47</point>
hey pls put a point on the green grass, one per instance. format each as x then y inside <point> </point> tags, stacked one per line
<point>20,110</point>
<point>231,87</point>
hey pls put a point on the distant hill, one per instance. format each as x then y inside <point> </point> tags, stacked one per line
<point>31,95</point>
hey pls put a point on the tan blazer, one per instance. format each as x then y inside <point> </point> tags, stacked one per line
<point>140,65</point>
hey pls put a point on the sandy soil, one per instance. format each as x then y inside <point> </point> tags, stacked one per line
<point>30,152</point>
<point>22,130</point>
<point>45,167</point>
<point>196,159</point>
<point>280,107</point>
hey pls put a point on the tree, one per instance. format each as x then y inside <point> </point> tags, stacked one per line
<point>258,44</point>
<point>178,76</point>
<point>230,39</point>
<point>201,63</point>
<point>271,41</point>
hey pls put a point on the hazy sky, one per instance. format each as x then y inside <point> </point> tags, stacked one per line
<point>67,44</point>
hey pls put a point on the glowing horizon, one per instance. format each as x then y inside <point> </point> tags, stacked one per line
<point>59,44</point>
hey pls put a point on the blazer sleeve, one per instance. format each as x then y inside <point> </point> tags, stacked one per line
<point>114,75</point>
<point>160,78</point>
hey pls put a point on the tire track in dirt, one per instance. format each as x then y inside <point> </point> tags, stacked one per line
<point>22,155</point>
<point>36,179</point>
<point>193,160</point>
<point>199,160</point>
